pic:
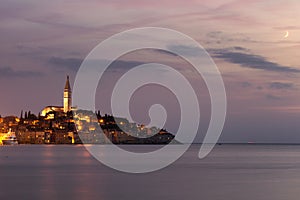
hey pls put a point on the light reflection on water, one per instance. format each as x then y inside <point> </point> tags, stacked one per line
<point>245,172</point>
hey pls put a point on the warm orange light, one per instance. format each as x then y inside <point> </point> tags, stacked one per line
<point>92,128</point>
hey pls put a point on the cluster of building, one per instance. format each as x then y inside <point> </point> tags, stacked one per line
<point>68,125</point>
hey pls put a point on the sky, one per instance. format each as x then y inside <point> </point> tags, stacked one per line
<point>44,41</point>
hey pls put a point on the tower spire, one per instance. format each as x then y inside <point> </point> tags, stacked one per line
<point>67,96</point>
<point>67,86</point>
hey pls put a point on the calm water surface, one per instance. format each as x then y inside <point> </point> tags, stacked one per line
<point>233,172</point>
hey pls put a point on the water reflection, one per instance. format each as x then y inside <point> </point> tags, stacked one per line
<point>230,172</point>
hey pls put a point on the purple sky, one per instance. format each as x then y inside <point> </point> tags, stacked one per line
<point>43,41</point>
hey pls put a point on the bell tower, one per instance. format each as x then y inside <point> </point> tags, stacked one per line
<point>67,96</point>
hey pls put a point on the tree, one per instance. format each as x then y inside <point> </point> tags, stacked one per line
<point>21,117</point>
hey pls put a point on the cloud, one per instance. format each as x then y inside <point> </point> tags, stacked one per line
<point>237,48</point>
<point>248,60</point>
<point>161,51</point>
<point>287,28</point>
<point>214,34</point>
<point>70,64</point>
<point>219,37</point>
<point>245,84</point>
<point>123,65</point>
<point>272,97</point>
<point>73,64</point>
<point>184,50</point>
<point>8,72</point>
<point>280,85</point>
<point>237,55</point>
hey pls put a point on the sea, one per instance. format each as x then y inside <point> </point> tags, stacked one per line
<point>233,172</point>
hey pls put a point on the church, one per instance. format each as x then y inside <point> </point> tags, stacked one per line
<point>67,102</point>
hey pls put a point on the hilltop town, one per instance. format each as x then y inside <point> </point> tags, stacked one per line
<point>68,125</point>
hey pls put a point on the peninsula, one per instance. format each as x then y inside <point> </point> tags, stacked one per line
<point>68,125</point>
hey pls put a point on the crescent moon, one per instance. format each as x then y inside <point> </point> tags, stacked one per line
<point>286,34</point>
